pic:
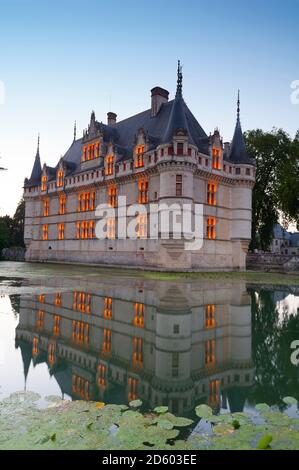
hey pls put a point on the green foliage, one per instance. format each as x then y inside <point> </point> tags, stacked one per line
<point>276,189</point>
<point>264,442</point>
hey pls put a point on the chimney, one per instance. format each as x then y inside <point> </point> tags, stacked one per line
<point>226,148</point>
<point>159,96</point>
<point>111,118</point>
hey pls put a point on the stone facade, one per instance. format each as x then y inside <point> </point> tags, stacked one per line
<point>159,156</point>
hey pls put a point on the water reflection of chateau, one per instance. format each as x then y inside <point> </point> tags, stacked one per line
<point>174,344</point>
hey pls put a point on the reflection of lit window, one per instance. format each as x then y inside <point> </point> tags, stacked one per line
<point>80,332</point>
<point>40,318</point>
<point>56,327</point>
<point>58,299</point>
<point>35,347</point>
<point>214,393</point>
<point>210,352</point>
<point>51,353</point>
<point>101,375</point>
<point>137,352</point>
<point>41,298</point>
<point>108,307</point>
<point>81,387</point>
<point>210,316</point>
<point>82,302</point>
<point>107,341</point>
<point>132,385</point>
<point>139,315</point>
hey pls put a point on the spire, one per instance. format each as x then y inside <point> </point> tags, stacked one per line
<point>179,81</point>
<point>238,152</point>
<point>37,168</point>
<point>75,130</point>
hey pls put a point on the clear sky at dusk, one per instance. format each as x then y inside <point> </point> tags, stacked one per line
<point>61,59</point>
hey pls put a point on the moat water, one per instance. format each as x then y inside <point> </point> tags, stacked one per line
<point>115,336</point>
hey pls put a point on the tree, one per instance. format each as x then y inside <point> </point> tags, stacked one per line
<point>18,224</point>
<point>276,190</point>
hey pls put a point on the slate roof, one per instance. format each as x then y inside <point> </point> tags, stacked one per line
<point>281,233</point>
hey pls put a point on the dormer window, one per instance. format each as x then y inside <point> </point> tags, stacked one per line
<point>60,178</point>
<point>109,164</point>
<point>44,183</point>
<point>91,151</point>
<point>216,156</point>
<point>139,162</point>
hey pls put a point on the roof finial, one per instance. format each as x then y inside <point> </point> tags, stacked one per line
<point>238,106</point>
<point>75,130</point>
<point>38,140</point>
<point>179,80</point>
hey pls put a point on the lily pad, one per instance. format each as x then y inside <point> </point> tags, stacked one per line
<point>290,400</point>
<point>203,411</point>
<point>161,409</point>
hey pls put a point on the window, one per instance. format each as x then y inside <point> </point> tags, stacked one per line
<point>45,232</point>
<point>44,183</point>
<point>143,191</point>
<point>60,178</point>
<point>210,352</point>
<point>238,171</point>
<point>41,298</point>
<point>111,228</point>
<point>86,201</point>
<point>109,165</point>
<point>248,171</point>
<point>180,148</point>
<point>91,229</point>
<point>51,353</point>
<point>82,302</point>
<point>216,159</point>
<point>210,316</point>
<point>35,348</point>
<point>62,204</point>
<point>142,226</point>
<point>211,228</point>
<point>46,205</point>
<point>58,299</point>
<point>108,308</point>
<point>139,315</point>
<point>80,387</point>
<point>40,318</point>
<point>60,231</point>
<point>178,185</point>
<point>137,352</point>
<point>112,196</point>
<point>139,161</point>
<point>211,193</point>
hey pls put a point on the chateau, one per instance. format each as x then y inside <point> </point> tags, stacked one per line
<point>161,155</point>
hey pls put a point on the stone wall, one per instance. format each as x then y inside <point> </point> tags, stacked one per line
<point>13,254</point>
<point>272,262</point>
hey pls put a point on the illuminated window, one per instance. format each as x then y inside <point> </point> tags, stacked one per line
<point>137,352</point>
<point>40,318</point>
<point>210,316</point>
<point>210,352</point>
<point>143,191</point>
<point>46,205</point>
<point>56,327</point>
<point>80,332</point>
<point>41,298</point>
<point>214,393</point>
<point>178,185</point>
<point>44,183</point>
<point>35,347</point>
<point>211,193</point>
<point>139,315</point>
<point>112,196</point>
<point>142,226</point>
<point>139,161</point>
<point>101,375</point>
<point>60,178</point>
<point>84,154</point>
<point>216,159</point>
<point>132,385</point>
<point>80,387</point>
<point>45,232</point>
<point>108,307</point>
<point>62,204</point>
<point>85,230</point>
<point>60,231</point>
<point>107,341</point>
<point>111,227</point>
<point>91,229</point>
<point>86,201</point>
<point>109,165</point>
<point>97,150</point>
<point>78,233</point>
<point>211,228</point>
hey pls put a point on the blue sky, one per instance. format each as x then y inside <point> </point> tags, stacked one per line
<point>61,59</point>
